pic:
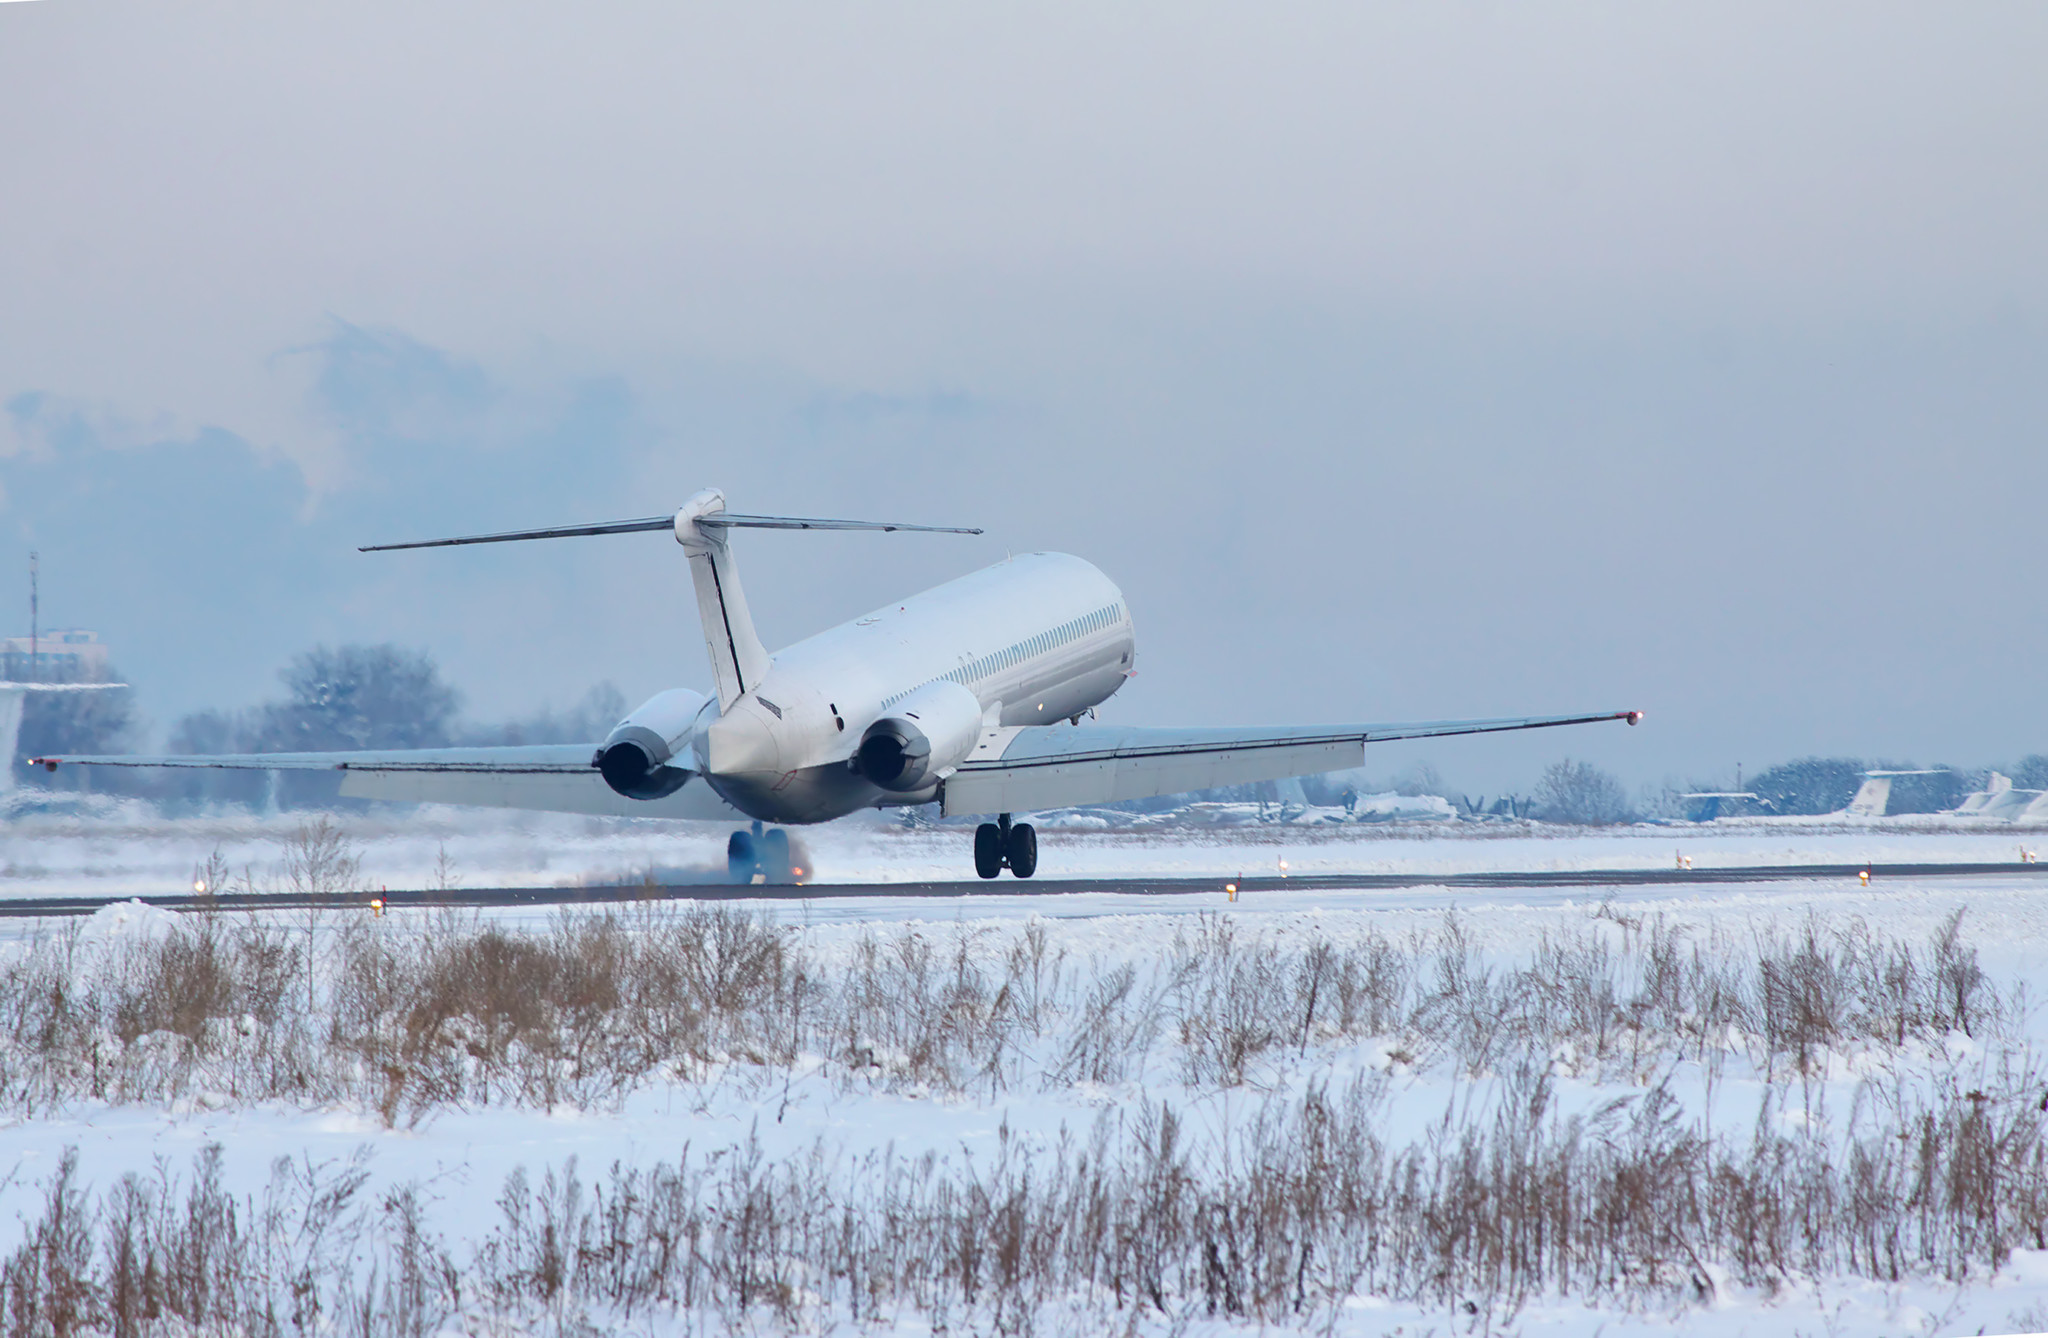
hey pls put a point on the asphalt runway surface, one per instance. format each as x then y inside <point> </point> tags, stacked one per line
<point>31,907</point>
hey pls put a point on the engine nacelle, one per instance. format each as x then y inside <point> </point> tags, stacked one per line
<point>635,758</point>
<point>927,732</point>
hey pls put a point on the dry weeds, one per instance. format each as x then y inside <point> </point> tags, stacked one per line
<point>1937,1171</point>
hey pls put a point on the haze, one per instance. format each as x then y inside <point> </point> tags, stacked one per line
<point>1399,362</point>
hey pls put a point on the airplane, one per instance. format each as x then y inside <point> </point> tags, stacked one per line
<point>971,694</point>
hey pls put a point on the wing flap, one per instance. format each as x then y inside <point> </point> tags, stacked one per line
<point>1097,779</point>
<point>529,759</point>
<point>546,778</point>
<point>1061,766</point>
<point>535,791</point>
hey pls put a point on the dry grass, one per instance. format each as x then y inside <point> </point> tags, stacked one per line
<point>1279,1221</point>
<point>408,1018</point>
<point>1297,1202</point>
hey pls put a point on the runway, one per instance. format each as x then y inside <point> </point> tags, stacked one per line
<point>489,897</point>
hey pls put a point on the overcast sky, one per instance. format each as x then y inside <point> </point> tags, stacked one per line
<point>1399,361</point>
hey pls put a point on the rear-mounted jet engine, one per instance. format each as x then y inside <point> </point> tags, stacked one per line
<point>923,737</point>
<point>635,758</point>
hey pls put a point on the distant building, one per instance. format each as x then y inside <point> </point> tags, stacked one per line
<point>62,655</point>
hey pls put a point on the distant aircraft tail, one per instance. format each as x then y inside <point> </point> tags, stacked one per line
<point>1872,798</point>
<point>738,660</point>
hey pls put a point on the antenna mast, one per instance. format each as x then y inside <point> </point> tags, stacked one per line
<point>34,658</point>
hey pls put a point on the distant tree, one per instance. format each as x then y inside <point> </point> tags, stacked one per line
<point>2031,773</point>
<point>1327,791</point>
<point>213,732</point>
<point>210,733</point>
<point>588,721</point>
<point>1811,784</point>
<point>359,697</point>
<point>353,697</point>
<point>1581,793</point>
<point>1419,779</point>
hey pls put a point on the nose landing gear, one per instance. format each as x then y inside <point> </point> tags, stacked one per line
<point>1000,844</point>
<point>758,857</point>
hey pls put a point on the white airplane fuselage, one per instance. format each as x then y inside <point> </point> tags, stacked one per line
<point>1035,640</point>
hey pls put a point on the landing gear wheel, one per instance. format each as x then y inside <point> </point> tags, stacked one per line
<point>988,850</point>
<point>1023,850</point>
<point>775,857</point>
<point>742,859</point>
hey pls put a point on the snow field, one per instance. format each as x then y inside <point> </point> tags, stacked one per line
<point>947,1063</point>
<point>129,851</point>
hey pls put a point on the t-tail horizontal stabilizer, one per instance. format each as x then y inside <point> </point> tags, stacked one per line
<point>651,523</point>
<point>738,660</point>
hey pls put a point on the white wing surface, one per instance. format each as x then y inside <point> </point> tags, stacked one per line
<point>1022,770</point>
<point>556,778</point>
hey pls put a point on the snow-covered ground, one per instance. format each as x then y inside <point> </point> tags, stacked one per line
<point>129,851</point>
<point>459,1154</point>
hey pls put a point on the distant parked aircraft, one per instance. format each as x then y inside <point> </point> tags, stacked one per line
<point>1874,796</point>
<point>2001,800</point>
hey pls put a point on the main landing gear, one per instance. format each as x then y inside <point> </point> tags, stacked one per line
<point>998,844</point>
<point>758,857</point>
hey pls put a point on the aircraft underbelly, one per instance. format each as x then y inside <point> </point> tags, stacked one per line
<point>1090,687</point>
<point>806,795</point>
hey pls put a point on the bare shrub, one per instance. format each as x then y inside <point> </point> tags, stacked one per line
<point>1230,999</point>
<point>320,860</point>
<point>1582,794</point>
<point>1115,1026</point>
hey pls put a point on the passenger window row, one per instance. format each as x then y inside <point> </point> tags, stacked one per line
<point>976,670</point>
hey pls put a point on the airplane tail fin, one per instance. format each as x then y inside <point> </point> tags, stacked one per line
<point>738,660</point>
<point>1872,798</point>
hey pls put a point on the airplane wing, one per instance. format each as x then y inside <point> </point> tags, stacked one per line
<point>1023,769</point>
<point>557,778</point>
